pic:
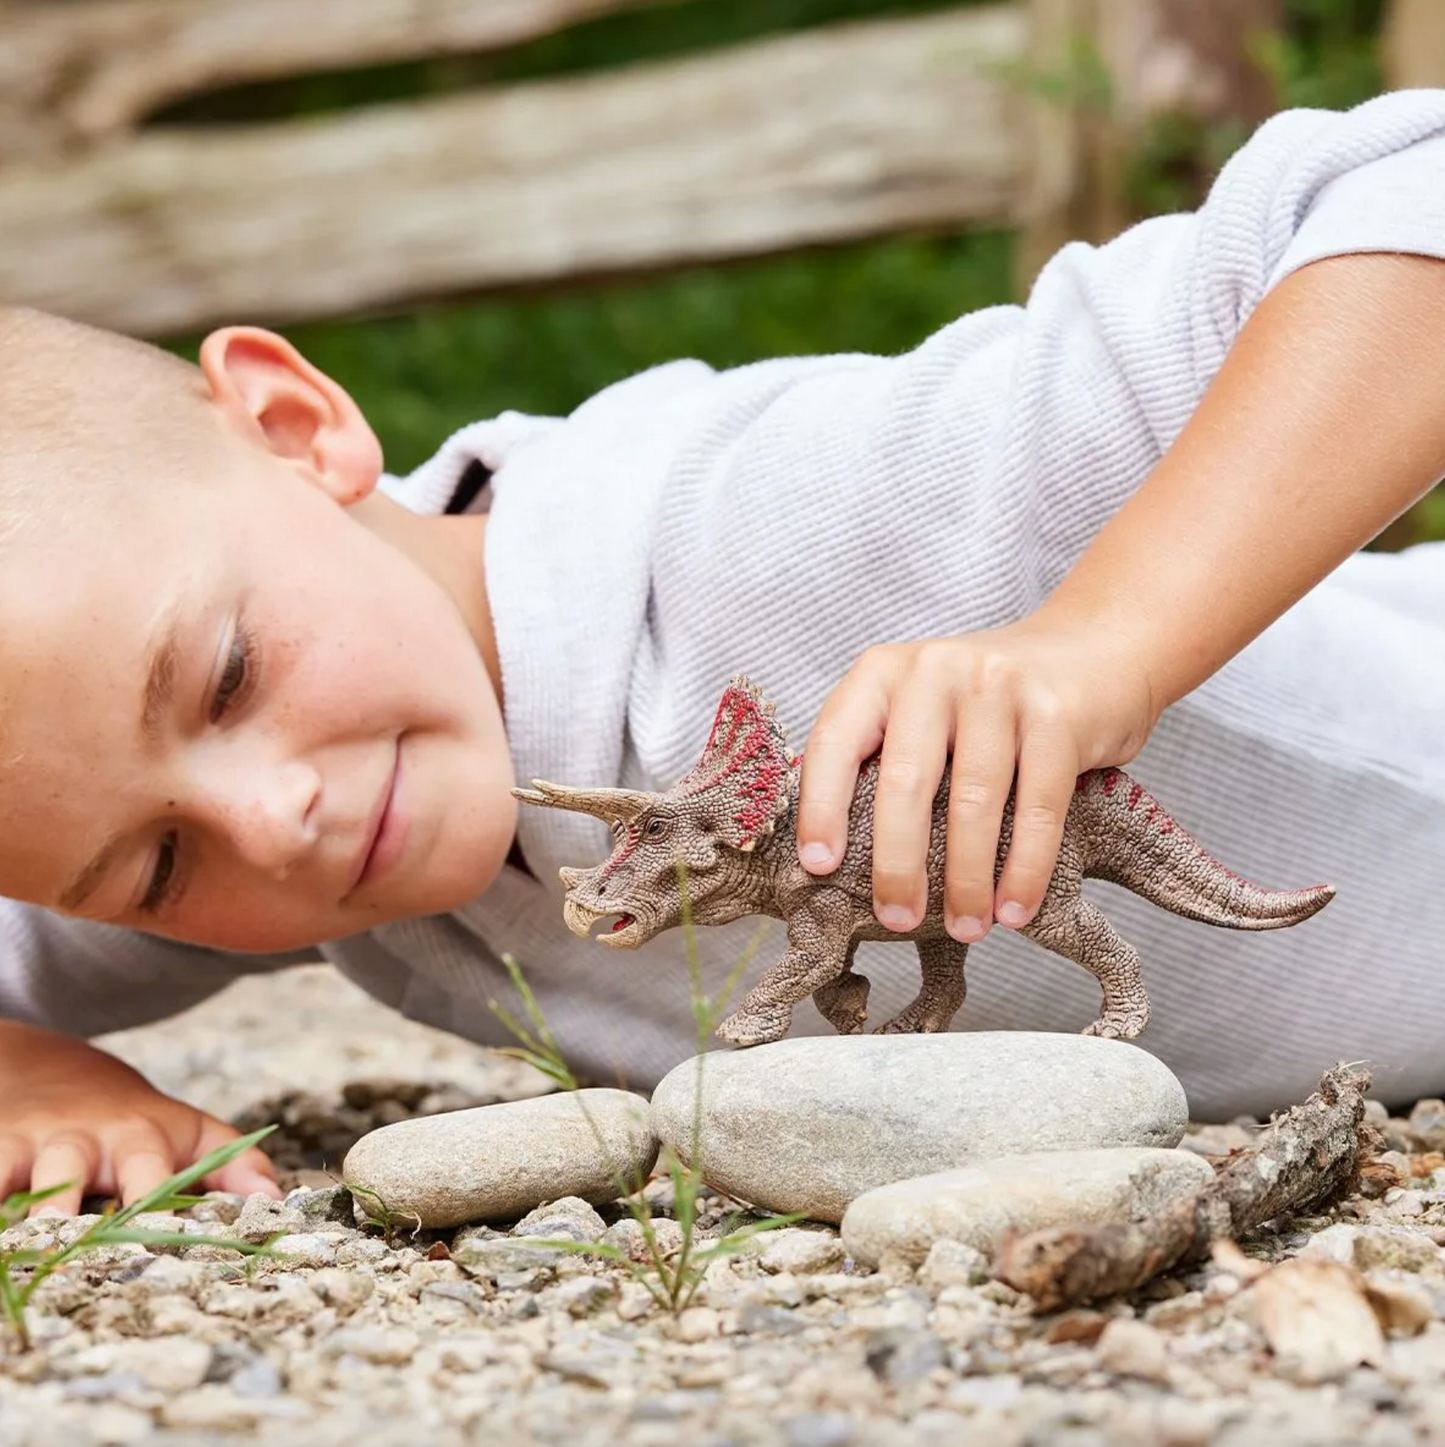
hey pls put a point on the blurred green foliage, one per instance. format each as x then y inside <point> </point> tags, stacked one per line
<point>420,375</point>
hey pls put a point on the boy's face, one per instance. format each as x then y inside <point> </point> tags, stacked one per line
<point>238,713</point>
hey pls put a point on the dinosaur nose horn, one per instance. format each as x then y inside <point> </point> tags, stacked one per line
<point>610,805</point>
<point>570,878</point>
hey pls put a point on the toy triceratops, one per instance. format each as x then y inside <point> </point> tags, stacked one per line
<point>731,824</point>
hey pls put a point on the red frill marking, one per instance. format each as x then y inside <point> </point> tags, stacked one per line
<point>742,757</point>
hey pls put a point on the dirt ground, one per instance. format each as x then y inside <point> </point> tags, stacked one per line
<point>445,1337</point>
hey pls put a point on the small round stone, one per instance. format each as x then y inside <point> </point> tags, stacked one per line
<point>976,1205</point>
<point>809,1123</point>
<point>497,1162</point>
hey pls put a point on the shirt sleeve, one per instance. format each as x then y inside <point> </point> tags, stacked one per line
<point>1395,203</point>
<point>85,978</point>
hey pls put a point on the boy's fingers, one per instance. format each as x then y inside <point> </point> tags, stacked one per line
<point>848,729</point>
<point>1048,769</point>
<point>15,1158</point>
<point>915,752</point>
<point>142,1158</point>
<point>985,748</point>
<point>70,1159</point>
<point>250,1172</point>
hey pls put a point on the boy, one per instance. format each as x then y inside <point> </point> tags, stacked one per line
<point>252,707</point>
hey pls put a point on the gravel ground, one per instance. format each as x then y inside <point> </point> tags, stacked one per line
<point>444,1338</point>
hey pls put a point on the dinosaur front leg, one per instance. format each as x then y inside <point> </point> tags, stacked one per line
<point>819,939</point>
<point>942,991</point>
<point>1073,927</point>
<point>843,1002</point>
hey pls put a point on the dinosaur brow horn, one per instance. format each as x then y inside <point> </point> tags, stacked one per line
<point>609,805</point>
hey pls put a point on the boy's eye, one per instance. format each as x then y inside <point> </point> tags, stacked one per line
<point>161,876</point>
<point>235,675</point>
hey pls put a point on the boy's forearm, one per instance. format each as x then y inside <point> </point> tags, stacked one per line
<point>1326,421</point>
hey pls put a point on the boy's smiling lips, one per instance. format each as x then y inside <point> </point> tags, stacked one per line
<point>385,833</point>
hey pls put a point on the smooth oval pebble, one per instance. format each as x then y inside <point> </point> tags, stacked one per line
<point>978,1204</point>
<point>497,1162</point>
<point>808,1124</point>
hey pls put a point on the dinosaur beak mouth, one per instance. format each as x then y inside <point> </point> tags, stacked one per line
<point>580,919</point>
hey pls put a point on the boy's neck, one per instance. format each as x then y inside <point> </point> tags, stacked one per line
<point>450,550</point>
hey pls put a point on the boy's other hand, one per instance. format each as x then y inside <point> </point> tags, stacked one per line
<point>1030,703</point>
<point>72,1114</point>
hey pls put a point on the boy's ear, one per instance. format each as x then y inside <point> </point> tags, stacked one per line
<point>268,391</point>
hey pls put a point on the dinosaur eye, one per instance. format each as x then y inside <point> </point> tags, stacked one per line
<point>655,829</point>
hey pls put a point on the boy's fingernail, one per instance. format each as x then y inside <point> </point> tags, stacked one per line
<point>966,929</point>
<point>1012,915</point>
<point>894,916</point>
<point>816,855</point>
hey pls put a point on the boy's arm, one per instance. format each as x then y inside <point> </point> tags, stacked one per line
<point>1326,420</point>
<point>69,1112</point>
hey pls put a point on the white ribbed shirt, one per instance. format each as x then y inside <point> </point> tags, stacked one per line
<point>777,519</point>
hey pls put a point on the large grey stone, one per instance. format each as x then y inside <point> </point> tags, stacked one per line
<point>808,1124</point>
<point>497,1162</point>
<point>976,1205</point>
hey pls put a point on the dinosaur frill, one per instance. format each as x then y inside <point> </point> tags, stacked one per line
<point>745,768</point>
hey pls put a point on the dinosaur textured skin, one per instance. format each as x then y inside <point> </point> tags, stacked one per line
<point>726,835</point>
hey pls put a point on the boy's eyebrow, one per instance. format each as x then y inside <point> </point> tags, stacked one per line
<point>161,661</point>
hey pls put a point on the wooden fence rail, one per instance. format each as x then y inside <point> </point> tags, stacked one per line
<point>652,166</point>
<point>831,134</point>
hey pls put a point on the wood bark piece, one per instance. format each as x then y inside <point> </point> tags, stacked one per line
<point>97,66</point>
<point>1304,1158</point>
<point>783,143</point>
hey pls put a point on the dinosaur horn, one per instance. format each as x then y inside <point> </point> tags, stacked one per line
<point>610,805</point>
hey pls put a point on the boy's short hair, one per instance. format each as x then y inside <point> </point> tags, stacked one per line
<point>82,409</point>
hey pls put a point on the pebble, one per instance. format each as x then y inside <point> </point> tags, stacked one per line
<point>790,1249</point>
<point>382,1346</point>
<point>262,1218</point>
<point>582,1296</point>
<point>329,1206</point>
<point>901,1354</point>
<point>306,1249</point>
<point>570,1219</point>
<point>164,1365</point>
<point>1395,1248</point>
<point>976,1205</point>
<point>1427,1121</point>
<point>952,1263</point>
<point>496,1162</point>
<point>807,1124</point>
<point>818,1429</point>
<point>698,1323</point>
<point>1131,1348</point>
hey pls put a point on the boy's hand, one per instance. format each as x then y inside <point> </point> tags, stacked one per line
<point>1045,702</point>
<point>70,1113</point>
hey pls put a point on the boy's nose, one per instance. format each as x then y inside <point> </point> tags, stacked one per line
<point>271,818</point>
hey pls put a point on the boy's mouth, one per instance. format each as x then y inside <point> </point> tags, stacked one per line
<point>382,841</point>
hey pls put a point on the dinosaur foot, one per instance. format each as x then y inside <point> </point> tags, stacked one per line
<point>1124,1025</point>
<point>755,1027</point>
<point>912,1022</point>
<point>844,1003</point>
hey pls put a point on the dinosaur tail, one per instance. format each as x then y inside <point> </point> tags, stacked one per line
<point>1148,853</point>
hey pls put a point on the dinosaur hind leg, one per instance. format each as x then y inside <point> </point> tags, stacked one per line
<point>941,993</point>
<point>843,1002</point>
<point>1078,930</point>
